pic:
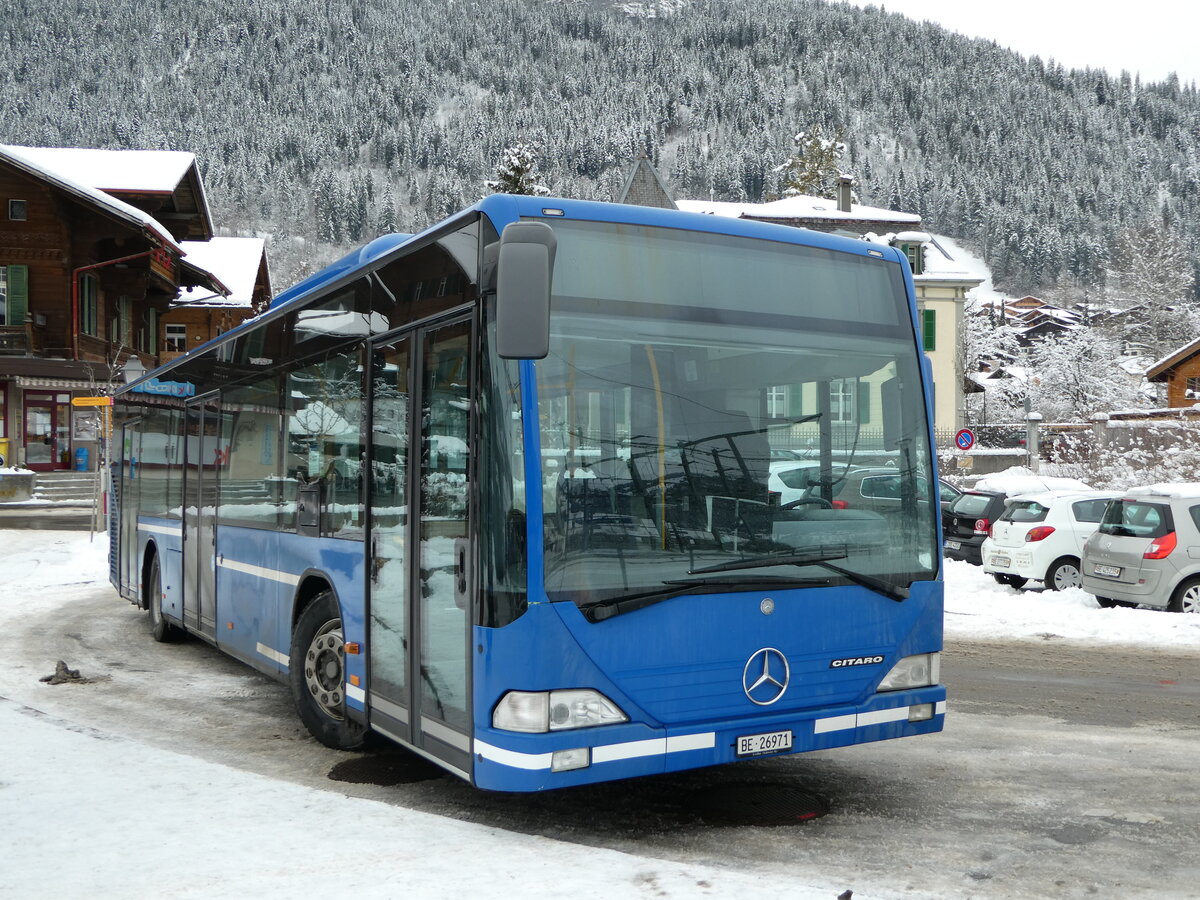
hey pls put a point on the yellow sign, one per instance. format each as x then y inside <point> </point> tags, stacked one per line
<point>91,401</point>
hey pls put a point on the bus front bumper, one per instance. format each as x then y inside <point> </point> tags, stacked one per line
<point>506,761</point>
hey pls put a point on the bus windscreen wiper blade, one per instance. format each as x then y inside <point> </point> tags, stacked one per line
<point>892,591</point>
<point>614,606</point>
<point>773,559</point>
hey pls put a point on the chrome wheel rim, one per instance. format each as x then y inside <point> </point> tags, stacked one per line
<point>1066,576</point>
<point>324,669</point>
<point>1190,601</point>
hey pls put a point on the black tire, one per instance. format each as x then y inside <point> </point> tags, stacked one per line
<point>160,629</point>
<point>1110,603</point>
<point>317,673</point>
<point>1186,598</point>
<point>1013,581</point>
<point>1063,573</point>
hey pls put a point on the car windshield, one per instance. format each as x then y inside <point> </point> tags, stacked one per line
<point>679,361</point>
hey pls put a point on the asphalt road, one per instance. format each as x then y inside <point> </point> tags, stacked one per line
<point>1064,771</point>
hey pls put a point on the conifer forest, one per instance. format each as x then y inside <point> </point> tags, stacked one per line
<point>323,123</point>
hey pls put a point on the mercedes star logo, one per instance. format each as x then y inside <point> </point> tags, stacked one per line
<point>766,676</point>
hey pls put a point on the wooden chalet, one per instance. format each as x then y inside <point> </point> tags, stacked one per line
<point>90,261</point>
<point>199,314</point>
<point>1180,371</point>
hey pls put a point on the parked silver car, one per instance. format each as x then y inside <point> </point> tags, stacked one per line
<point>1147,550</point>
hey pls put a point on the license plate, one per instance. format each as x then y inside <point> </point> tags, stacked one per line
<point>772,742</point>
<point>953,545</point>
<point>1001,561</point>
<point>1109,571</point>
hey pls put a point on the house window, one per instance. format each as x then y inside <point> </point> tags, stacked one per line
<point>1192,391</point>
<point>916,259</point>
<point>89,305</point>
<point>14,294</point>
<point>175,338</point>
<point>121,332</point>
<point>16,210</point>
<point>777,402</point>
<point>148,333</point>
<point>843,400</point>
<point>929,329</point>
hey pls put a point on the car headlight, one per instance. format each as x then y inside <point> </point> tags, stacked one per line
<point>921,670</point>
<point>541,711</point>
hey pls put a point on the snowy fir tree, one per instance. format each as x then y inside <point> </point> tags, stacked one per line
<point>517,173</point>
<point>815,166</point>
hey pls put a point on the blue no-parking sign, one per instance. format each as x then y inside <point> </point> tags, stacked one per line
<point>965,439</point>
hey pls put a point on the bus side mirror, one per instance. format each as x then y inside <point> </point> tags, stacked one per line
<point>524,272</point>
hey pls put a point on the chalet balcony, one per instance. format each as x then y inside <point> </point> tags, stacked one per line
<point>22,340</point>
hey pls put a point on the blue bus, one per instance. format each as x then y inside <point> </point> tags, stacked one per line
<point>519,493</point>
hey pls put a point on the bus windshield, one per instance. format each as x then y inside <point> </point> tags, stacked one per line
<point>716,404</point>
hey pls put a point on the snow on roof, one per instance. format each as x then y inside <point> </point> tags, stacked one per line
<point>20,157</point>
<point>1175,490</point>
<point>1020,480</point>
<point>234,260</point>
<point>156,171</point>
<point>953,259</point>
<point>1175,356</point>
<point>1049,498</point>
<point>799,207</point>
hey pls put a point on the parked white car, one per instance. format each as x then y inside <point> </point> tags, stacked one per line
<point>1040,537</point>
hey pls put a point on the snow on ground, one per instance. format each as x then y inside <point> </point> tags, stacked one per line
<point>84,812</point>
<point>977,608</point>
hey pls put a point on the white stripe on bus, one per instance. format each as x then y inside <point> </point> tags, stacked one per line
<point>161,529</point>
<point>259,571</point>
<point>875,717</point>
<point>272,654</point>
<point>354,692</point>
<point>603,753</point>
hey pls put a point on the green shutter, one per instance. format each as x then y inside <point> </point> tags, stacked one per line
<point>864,402</point>
<point>795,400</point>
<point>18,294</point>
<point>929,329</point>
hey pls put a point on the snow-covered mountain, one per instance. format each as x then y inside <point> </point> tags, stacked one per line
<point>333,121</point>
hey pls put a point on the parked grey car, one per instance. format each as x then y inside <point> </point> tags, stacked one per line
<point>1147,550</point>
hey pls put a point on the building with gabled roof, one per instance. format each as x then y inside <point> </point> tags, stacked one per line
<point>87,271</point>
<point>199,315</point>
<point>1180,372</point>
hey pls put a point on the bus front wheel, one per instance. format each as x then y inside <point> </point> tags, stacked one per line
<point>317,672</point>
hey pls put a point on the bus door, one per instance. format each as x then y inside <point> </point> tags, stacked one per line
<point>127,505</point>
<point>202,436</point>
<point>419,614</point>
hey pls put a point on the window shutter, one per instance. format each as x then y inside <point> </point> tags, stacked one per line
<point>929,329</point>
<point>864,402</point>
<point>795,400</point>
<point>18,294</point>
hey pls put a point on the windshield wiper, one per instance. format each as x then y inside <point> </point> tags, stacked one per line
<point>600,610</point>
<point>891,591</point>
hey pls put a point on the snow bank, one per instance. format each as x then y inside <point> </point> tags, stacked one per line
<point>1020,480</point>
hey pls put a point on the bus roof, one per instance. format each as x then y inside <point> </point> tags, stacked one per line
<point>502,209</point>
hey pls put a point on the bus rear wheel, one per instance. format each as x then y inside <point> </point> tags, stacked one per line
<point>160,629</point>
<point>317,672</point>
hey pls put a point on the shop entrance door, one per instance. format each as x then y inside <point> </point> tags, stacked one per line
<point>47,431</point>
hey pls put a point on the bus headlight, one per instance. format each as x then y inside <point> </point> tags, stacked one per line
<point>921,670</point>
<point>540,711</point>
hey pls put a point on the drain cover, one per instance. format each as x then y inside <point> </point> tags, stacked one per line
<point>757,804</point>
<point>385,770</point>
